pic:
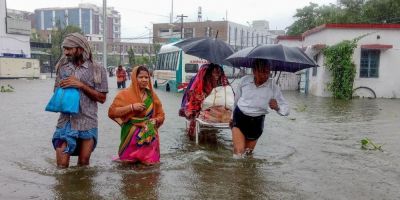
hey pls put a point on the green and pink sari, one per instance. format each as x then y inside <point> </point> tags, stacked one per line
<point>139,138</point>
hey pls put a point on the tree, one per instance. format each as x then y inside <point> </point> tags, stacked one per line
<point>156,47</point>
<point>131,57</point>
<point>382,11</point>
<point>346,11</point>
<point>352,10</point>
<point>112,60</point>
<point>57,36</point>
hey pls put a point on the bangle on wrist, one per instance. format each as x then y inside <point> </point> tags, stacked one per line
<point>131,107</point>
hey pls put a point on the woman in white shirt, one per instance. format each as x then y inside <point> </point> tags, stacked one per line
<point>254,94</point>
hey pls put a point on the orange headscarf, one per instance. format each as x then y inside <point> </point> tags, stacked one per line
<point>132,95</point>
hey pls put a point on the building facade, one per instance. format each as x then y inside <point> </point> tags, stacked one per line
<point>376,58</point>
<point>237,35</point>
<point>118,49</point>
<point>14,34</point>
<point>88,17</point>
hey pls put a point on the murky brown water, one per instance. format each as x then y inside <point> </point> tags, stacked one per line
<point>312,154</point>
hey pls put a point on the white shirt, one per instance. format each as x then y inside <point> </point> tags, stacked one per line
<point>254,101</point>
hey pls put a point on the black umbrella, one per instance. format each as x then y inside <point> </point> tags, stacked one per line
<point>278,56</point>
<point>211,49</point>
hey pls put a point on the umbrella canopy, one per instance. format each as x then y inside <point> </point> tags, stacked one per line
<point>211,49</point>
<point>278,56</point>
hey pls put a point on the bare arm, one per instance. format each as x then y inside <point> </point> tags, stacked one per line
<point>116,112</point>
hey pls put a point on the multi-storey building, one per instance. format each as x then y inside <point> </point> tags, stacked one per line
<point>118,49</point>
<point>237,35</point>
<point>88,17</point>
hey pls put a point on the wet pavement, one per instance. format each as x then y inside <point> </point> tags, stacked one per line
<point>312,154</point>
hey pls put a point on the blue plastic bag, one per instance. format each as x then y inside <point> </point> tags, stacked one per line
<point>65,100</point>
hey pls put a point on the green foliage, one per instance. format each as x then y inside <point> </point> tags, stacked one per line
<point>338,60</point>
<point>156,47</point>
<point>140,60</point>
<point>131,57</point>
<point>367,144</point>
<point>382,11</point>
<point>346,11</point>
<point>57,36</point>
<point>35,38</point>
<point>7,88</point>
<point>305,19</point>
<point>112,60</point>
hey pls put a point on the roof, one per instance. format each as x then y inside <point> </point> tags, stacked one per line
<point>350,26</point>
<point>377,46</point>
<point>166,48</point>
<point>290,37</point>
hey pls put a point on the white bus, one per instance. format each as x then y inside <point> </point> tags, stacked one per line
<point>174,68</point>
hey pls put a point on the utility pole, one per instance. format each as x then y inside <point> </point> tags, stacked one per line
<point>172,12</point>
<point>150,37</point>
<point>181,16</point>
<point>105,34</point>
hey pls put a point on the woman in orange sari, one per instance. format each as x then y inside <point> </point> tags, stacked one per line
<point>139,112</point>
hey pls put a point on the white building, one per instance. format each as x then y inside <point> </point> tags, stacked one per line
<point>376,57</point>
<point>14,35</point>
<point>291,41</point>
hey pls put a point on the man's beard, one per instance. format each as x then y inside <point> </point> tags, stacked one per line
<point>76,59</point>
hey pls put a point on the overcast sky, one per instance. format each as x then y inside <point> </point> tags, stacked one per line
<point>136,15</point>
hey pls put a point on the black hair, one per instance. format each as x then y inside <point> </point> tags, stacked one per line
<point>208,75</point>
<point>142,68</point>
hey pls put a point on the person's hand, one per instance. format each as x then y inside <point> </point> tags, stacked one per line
<point>71,81</point>
<point>273,104</point>
<point>231,123</point>
<point>138,107</point>
<point>154,121</point>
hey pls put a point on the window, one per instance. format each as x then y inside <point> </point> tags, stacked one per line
<point>247,39</point>
<point>191,68</point>
<point>257,39</point>
<point>315,69</point>
<point>188,32</point>
<point>230,34</point>
<point>208,32</point>
<point>369,64</point>
<point>252,39</point>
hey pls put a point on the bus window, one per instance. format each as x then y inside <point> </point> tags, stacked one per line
<point>169,57</point>
<point>191,68</point>
<point>175,61</point>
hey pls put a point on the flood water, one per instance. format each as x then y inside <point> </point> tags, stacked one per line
<point>312,154</point>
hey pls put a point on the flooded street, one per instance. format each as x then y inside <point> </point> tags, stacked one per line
<point>312,154</point>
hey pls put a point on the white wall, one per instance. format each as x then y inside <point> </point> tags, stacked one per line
<point>291,43</point>
<point>12,43</point>
<point>290,81</point>
<point>387,85</point>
